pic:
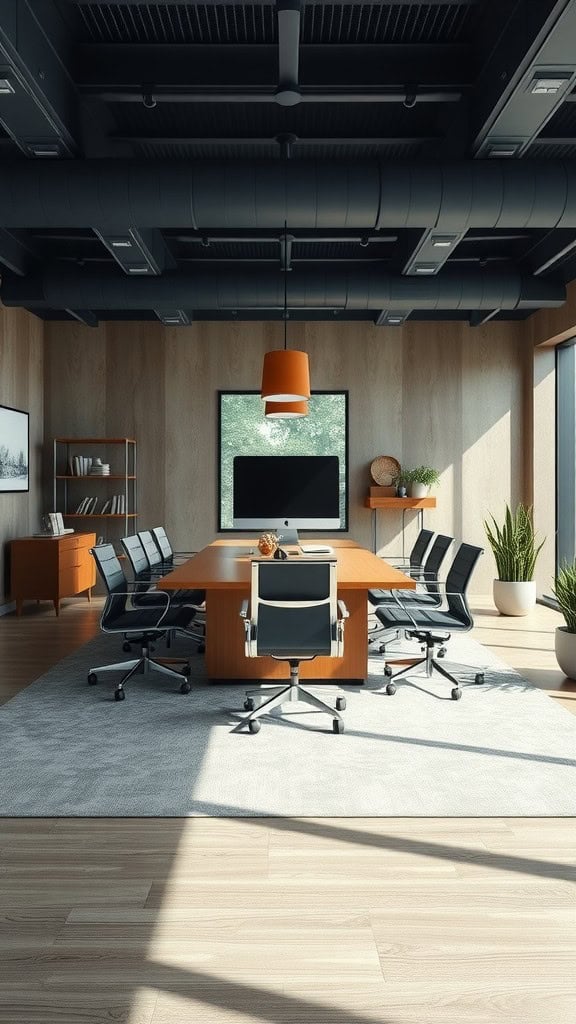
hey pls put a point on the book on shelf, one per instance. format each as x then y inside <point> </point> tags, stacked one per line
<point>106,507</point>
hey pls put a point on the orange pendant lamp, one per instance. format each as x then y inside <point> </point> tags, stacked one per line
<point>285,410</point>
<point>286,372</point>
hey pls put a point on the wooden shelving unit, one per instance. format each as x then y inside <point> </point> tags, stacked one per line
<point>70,488</point>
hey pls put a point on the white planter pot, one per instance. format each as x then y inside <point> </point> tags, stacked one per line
<point>565,644</point>
<point>419,490</point>
<point>514,597</point>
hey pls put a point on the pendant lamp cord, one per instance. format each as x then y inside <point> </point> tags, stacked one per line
<point>285,286</point>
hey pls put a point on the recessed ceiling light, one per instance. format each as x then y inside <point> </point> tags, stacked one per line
<point>425,268</point>
<point>549,84</point>
<point>503,149</point>
<point>138,268</point>
<point>394,320</point>
<point>6,87</point>
<point>121,243</point>
<point>45,149</point>
<point>442,241</point>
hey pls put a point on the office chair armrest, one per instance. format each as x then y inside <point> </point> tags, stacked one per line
<point>244,609</point>
<point>135,593</point>
<point>344,613</point>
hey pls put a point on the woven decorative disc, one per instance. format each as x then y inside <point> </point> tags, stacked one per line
<point>383,469</point>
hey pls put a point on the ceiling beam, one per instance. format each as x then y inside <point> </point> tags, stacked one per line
<point>529,73</point>
<point>138,250</point>
<point>40,109</point>
<point>255,3</point>
<point>99,68</point>
<point>479,317</point>
<point>83,316</point>
<point>15,254</point>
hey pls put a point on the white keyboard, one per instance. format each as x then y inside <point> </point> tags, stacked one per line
<point>316,549</point>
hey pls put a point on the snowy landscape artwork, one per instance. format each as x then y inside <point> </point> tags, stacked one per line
<point>13,449</point>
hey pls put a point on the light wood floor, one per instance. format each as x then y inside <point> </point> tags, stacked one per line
<point>297,921</point>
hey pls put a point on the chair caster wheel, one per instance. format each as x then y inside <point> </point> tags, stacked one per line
<point>249,704</point>
<point>391,689</point>
<point>340,703</point>
<point>388,671</point>
<point>185,687</point>
<point>119,695</point>
<point>337,725</point>
<point>479,678</point>
<point>92,678</point>
<point>201,648</point>
<point>254,725</point>
<point>441,652</point>
<point>456,693</point>
<point>126,646</point>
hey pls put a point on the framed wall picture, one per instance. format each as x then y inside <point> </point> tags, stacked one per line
<point>14,450</point>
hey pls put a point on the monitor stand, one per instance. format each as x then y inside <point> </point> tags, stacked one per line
<point>288,537</point>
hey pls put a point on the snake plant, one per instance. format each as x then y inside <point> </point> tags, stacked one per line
<point>514,544</point>
<point>565,591</point>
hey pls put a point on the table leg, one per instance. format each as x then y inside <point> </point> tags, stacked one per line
<point>374,529</point>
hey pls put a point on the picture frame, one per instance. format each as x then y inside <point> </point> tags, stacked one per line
<point>14,450</point>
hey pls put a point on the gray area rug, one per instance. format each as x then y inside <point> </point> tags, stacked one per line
<point>69,749</point>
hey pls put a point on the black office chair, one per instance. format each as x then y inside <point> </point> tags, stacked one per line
<point>169,556</point>
<point>146,580</point>
<point>432,626</point>
<point>426,576</point>
<point>136,623</point>
<point>294,616</point>
<point>415,559</point>
<point>156,564</point>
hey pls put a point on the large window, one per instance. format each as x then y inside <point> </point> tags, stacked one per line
<point>565,453</point>
<point>243,430</point>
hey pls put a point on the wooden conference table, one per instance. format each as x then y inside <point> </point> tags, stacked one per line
<point>223,570</point>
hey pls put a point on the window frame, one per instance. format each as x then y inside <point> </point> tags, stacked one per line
<point>316,391</point>
<point>565,484</point>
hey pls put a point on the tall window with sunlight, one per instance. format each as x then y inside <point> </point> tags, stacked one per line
<point>243,430</point>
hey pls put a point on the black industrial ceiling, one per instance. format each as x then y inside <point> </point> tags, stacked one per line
<point>395,160</point>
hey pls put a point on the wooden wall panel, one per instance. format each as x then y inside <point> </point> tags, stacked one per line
<point>21,386</point>
<point>443,394</point>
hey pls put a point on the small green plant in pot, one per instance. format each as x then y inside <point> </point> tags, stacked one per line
<point>515,550</point>
<point>401,482</point>
<point>565,640</point>
<point>421,479</point>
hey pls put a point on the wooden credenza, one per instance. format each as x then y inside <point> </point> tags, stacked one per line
<point>50,568</point>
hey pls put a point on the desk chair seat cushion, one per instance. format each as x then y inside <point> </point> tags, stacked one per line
<point>122,620</point>
<point>380,597</point>
<point>293,632</point>
<point>396,618</point>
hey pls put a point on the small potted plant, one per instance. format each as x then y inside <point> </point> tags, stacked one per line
<point>421,480</point>
<point>515,550</point>
<point>401,482</point>
<point>565,640</point>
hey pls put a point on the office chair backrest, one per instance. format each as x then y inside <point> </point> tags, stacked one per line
<point>421,545</point>
<point>434,561</point>
<point>136,555</point>
<point>459,577</point>
<point>152,553</point>
<point>294,608</point>
<point>162,543</point>
<point>112,575</point>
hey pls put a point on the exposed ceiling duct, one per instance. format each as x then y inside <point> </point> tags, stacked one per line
<point>458,196</point>
<point>351,287</point>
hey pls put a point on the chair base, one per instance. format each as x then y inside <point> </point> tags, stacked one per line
<point>429,663</point>
<point>276,696</point>
<point>144,663</point>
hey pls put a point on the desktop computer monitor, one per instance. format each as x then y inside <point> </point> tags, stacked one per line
<point>286,493</point>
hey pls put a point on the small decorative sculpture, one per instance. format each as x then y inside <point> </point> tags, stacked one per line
<point>280,554</point>
<point>268,543</point>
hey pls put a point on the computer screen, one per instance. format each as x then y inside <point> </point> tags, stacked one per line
<point>286,492</point>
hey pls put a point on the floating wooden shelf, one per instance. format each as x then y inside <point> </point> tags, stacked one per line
<point>399,503</point>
